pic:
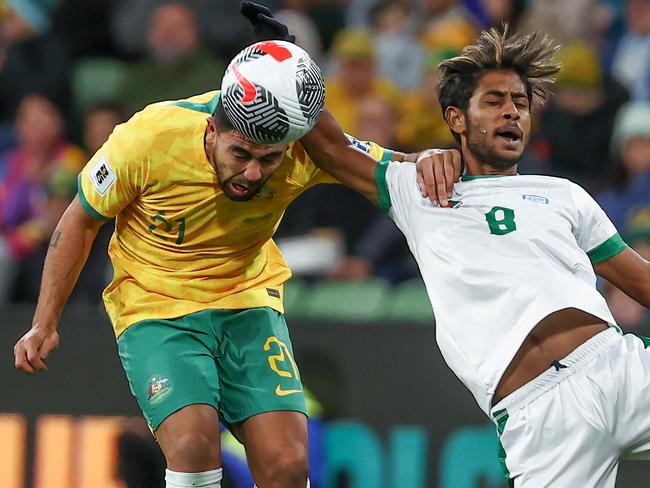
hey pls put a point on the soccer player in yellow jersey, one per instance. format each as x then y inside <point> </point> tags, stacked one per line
<point>196,296</point>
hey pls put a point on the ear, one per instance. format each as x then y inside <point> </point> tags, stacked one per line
<point>455,118</point>
<point>212,125</point>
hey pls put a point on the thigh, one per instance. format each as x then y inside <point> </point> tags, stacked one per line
<point>632,377</point>
<point>257,369</point>
<point>169,365</point>
<point>559,440</point>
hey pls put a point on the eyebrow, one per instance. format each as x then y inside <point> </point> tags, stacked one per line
<point>501,94</point>
<point>244,152</point>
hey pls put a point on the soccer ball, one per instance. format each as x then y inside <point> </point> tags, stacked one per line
<point>273,92</point>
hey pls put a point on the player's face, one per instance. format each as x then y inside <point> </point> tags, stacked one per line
<point>498,119</point>
<point>243,166</point>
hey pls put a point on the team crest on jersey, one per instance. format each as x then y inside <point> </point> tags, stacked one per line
<point>265,194</point>
<point>453,204</point>
<point>102,176</point>
<point>159,388</point>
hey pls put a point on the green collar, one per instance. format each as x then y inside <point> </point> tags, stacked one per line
<point>476,177</point>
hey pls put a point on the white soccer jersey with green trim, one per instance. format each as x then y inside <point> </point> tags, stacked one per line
<point>507,252</point>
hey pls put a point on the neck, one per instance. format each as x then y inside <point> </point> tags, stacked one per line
<point>478,168</point>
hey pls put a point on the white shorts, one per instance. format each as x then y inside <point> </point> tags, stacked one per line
<point>568,427</point>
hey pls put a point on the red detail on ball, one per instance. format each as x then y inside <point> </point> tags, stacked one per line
<point>278,52</point>
<point>250,92</point>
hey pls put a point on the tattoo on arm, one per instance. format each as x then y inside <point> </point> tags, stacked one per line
<point>54,242</point>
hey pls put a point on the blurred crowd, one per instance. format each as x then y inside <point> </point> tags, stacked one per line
<point>70,70</point>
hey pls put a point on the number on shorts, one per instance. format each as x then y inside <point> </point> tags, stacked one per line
<point>282,357</point>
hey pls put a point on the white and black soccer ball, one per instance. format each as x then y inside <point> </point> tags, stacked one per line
<point>273,92</point>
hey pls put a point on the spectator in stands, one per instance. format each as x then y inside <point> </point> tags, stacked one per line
<point>100,122</point>
<point>629,191</point>
<point>356,78</point>
<point>226,31</point>
<point>400,57</point>
<point>295,16</point>
<point>631,63</point>
<point>491,13</point>
<point>177,63</point>
<point>378,248</point>
<point>37,181</point>
<point>567,21</point>
<point>578,123</point>
<point>449,25</point>
<point>422,123</point>
<point>31,60</point>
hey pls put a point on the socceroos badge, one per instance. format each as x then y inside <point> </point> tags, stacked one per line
<point>159,389</point>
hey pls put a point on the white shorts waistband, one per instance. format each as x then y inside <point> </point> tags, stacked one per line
<point>574,361</point>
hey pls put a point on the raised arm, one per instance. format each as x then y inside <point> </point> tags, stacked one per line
<point>333,152</point>
<point>629,272</point>
<point>66,256</point>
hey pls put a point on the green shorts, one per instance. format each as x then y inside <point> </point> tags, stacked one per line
<point>239,361</point>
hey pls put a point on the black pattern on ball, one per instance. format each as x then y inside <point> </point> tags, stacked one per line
<point>263,121</point>
<point>310,89</point>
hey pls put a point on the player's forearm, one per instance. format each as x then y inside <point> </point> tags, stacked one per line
<point>331,151</point>
<point>66,256</point>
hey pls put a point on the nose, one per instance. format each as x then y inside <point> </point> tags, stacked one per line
<point>510,111</point>
<point>253,171</point>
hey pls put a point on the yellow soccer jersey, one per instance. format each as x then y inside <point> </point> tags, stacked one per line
<point>180,245</point>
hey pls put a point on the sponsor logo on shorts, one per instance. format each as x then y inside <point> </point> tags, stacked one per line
<point>159,388</point>
<point>102,176</point>
<point>280,392</point>
<point>535,198</point>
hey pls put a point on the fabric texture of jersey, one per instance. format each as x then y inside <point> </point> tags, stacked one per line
<point>569,427</point>
<point>180,245</point>
<point>508,252</point>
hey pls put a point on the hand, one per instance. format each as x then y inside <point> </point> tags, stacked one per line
<point>33,348</point>
<point>438,170</point>
<point>265,26</point>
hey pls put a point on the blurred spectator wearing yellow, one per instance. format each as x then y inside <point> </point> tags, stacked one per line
<point>37,183</point>
<point>629,186</point>
<point>356,78</point>
<point>449,26</point>
<point>31,60</point>
<point>577,125</point>
<point>177,63</point>
<point>423,124</point>
<point>631,63</point>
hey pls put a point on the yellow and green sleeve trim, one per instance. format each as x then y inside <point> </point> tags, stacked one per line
<point>608,249</point>
<point>86,206</point>
<point>382,186</point>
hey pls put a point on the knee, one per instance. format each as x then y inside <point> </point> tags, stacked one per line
<point>289,467</point>
<point>193,451</point>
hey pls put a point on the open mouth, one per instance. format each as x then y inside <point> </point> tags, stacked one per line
<point>511,136</point>
<point>239,190</point>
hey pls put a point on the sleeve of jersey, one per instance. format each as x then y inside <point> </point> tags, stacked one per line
<point>374,150</point>
<point>595,232</point>
<point>112,179</point>
<point>397,191</point>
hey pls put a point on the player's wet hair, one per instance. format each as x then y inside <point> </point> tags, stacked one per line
<point>223,122</point>
<point>531,56</point>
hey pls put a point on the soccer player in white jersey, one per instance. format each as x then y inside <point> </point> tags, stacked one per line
<point>510,268</point>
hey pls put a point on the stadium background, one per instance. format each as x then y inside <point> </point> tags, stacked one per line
<point>387,412</point>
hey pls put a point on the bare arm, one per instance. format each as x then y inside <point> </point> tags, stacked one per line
<point>629,272</point>
<point>331,151</point>
<point>66,256</point>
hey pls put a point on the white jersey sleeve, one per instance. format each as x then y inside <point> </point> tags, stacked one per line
<point>594,232</point>
<point>398,192</point>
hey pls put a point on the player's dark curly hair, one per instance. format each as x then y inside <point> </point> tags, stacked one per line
<point>531,56</point>
<point>223,122</point>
